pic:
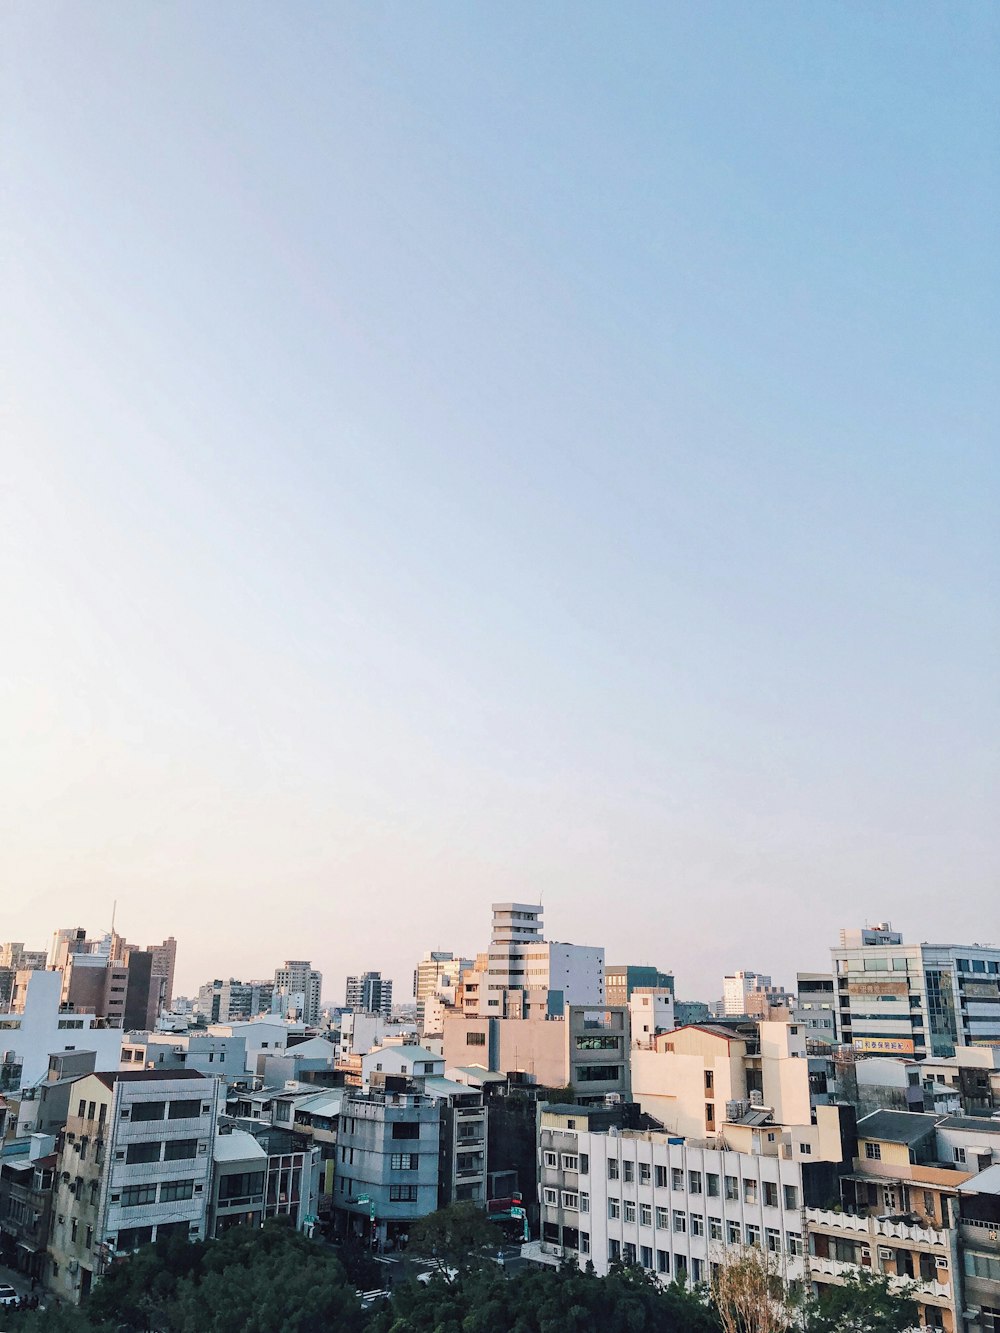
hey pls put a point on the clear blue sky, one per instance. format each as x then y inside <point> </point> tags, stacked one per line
<point>462,452</point>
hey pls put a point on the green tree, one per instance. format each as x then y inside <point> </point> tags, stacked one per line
<point>866,1303</point>
<point>456,1238</point>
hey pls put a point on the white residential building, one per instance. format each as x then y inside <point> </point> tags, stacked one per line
<point>671,1206</point>
<point>35,1029</point>
<point>520,960</point>
<point>297,988</point>
<point>737,988</point>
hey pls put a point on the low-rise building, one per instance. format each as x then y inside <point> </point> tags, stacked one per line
<point>670,1205</point>
<point>587,1048</point>
<point>135,1164</point>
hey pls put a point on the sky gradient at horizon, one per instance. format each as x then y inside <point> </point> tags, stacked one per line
<point>457,454</point>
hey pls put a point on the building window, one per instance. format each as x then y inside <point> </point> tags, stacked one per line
<point>571,1200</point>
<point>551,1160</point>
<point>614,1251</point>
<point>186,1109</point>
<point>404,1161</point>
<point>753,1234</point>
<point>646,1256</point>
<point>694,1182</point>
<point>629,1211</point>
<point>645,1173</point>
<point>645,1215</point>
<point>660,1177</point>
<point>772,1239</point>
<point>550,1197</point>
<point>733,1233</point>
<point>584,1164</point>
<point>662,1261</point>
<point>663,1218</point>
<point>805,1149</point>
<point>134,1195</point>
<point>628,1252</point>
<point>180,1150</point>
<point>628,1172</point>
<point>612,1168</point>
<point>710,1115</point>
<point>794,1242</point>
<point>405,1129</point>
<point>475,1039</point>
<point>711,1185</point>
<point>676,1178</point>
<point>873,1151</point>
<point>614,1208</point>
<point>715,1228</point>
<point>959,1154</point>
<point>584,1202</point>
<point>770,1194</point>
<point>402,1193</point>
<point>732,1188</point>
<point>680,1221</point>
<point>697,1224</point>
<point>148,1110</point>
<point>570,1162</point>
<point>791,1193</point>
<point>171,1191</point>
<point>142,1152</point>
<point>584,1242</point>
<point>749,1191</point>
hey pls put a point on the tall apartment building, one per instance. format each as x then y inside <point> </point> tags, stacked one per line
<point>297,988</point>
<point>816,1006</point>
<point>520,961</point>
<point>163,965</point>
<point>135,1165</point>
<point>14,958</point>
<point>240,1001</point>
<point>737,989</point>
<point>19,959</point>
<point>369,993</point>
<point>914,999</point>
<point>621,979</point>
<point>437,974</point>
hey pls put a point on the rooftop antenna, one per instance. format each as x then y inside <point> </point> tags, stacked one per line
<point>114,913</point>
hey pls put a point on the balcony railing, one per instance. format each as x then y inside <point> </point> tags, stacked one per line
<point>840,1268</point>
<point>856,1224</point>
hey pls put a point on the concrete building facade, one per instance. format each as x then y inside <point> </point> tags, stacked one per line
<point>914,999</point>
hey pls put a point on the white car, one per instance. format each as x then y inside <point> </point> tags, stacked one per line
<point>449,1275</point>
<point>8,1296</point>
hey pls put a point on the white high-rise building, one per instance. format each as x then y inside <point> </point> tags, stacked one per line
<point>737,988</point>
<point>297,987</point>
<point>521,959</point>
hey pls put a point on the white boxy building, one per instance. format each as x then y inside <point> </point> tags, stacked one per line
<point>673,1207</point>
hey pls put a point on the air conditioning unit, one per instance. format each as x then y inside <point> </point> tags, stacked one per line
<point>942,1263</point>
<point>756,1097</point>
<point>884,1252</point>
<point>74,1266</point>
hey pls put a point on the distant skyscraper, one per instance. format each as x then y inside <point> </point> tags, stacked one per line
<point>437,973</point>
<point>369,994</point>
<point>297,986</point>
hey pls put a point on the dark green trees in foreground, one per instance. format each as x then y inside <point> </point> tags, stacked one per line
<point>276,1281</point>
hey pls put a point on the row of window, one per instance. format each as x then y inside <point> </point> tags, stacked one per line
<point>182,1108</point>
<point>579,1162</point>
<point>170,1191</point>
<point>713,1185</point>
<point>629,1253</point>
<point>173,1150</point>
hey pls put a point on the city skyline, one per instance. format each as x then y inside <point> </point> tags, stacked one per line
<point>465,455</point>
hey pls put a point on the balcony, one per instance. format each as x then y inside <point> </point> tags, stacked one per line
<point>855,1224</point>
<point>838,1268</point>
